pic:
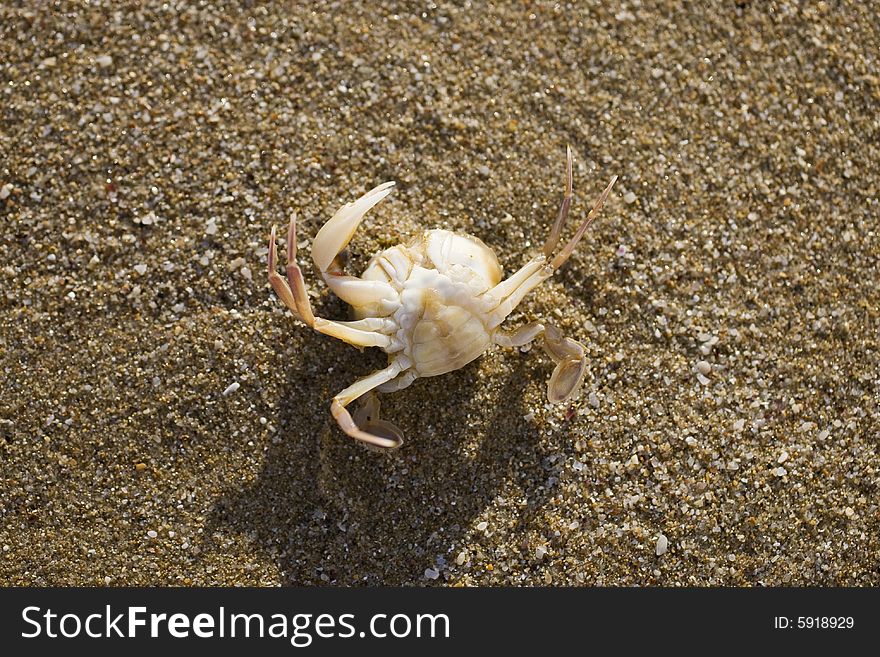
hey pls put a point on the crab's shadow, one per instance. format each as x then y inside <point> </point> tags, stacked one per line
<point>326,509</point>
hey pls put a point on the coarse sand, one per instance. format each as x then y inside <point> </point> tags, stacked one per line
<point>165,421</point>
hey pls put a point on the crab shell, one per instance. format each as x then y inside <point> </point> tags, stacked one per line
<point>443,312</point>
<point>433,304</point>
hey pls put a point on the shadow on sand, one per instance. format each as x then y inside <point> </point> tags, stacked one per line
<point>329,510</point>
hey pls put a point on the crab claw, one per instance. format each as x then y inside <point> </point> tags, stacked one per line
<point>566,380</point>
<point>337,233</point>
<point>367,419</point>
<point>571,365</point>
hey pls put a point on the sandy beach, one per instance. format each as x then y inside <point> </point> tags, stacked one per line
<point>165,421</point>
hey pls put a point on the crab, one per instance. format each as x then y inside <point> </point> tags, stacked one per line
<point>433,305</point>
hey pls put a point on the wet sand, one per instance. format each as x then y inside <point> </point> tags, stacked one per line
<point>727,433</point>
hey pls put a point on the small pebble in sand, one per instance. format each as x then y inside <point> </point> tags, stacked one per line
<point>430,573</point>
<point>782,457</point>
<point>703,367</point>
<point>629,198</point>
<point>235,385</point>
<point>104,61</point>
<point>152,533</point>
<point>662,545</point>
<point>5,191</point>
<point>140,269</point>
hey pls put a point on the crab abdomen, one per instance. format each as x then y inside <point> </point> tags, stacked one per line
<point>442,323</point>
<point>447,338</point>
<point>441,278</point>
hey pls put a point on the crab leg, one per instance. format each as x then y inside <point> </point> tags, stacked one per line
<point>568,249</point>
<point>511,283</point>
<point>571,362</point>
<point>292,291</point>
<point>538,270</point>
<point>374,431</point>
<point>352,332</point>
<point>520,337</point>
<point>401,382</point>
<point>562,217</point>
<point>295,296</point>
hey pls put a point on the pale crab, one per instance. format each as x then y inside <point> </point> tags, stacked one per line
<point>433,305</point>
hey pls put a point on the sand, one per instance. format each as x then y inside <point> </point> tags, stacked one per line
<point>727,433</point>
